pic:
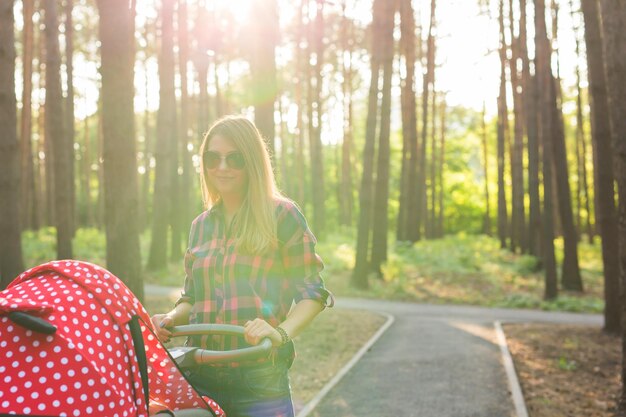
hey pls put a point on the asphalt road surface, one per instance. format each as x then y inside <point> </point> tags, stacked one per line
<point>433,361</point>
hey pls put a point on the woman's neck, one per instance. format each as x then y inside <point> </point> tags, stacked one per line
<point>231,205</point>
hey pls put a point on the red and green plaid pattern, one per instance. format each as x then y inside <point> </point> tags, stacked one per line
<point>228,287</point>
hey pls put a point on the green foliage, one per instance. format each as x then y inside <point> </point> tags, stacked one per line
<point>40,246</point>
<point>457,269</point>
<point>566,365</point>
<point>466,269</point>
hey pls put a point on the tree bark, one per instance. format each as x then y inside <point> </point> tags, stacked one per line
<point>316,47</point>
<point>432,217</point>
<point>529,95</point>
<point>502,126</point>
<point>407,224</point>
<point>346,200</point>
<point>361,266</point>
<point>29,214</point>
<point>302,75</point>
<point>117,29</point>
<point>165,149</point>
<point>487,219</point>
<point>264,24</point>
<point>518,215</point>
<point>426,97</point>
<point>442,149</point>
<point>544,79</point>
<point>69,109</point>
<point>11,263</point>
<point>63,152</point>
<point>381,194</point>
<point>581,152</point>
<point>606,216</point>
<point>570,275</point>
<point>613,18</point>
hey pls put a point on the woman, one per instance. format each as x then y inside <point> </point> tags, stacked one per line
<point>251,261</point>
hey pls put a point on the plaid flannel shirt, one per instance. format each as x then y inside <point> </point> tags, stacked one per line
<point>225,286</point>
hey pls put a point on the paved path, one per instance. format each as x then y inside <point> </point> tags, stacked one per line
<point>433,361</point>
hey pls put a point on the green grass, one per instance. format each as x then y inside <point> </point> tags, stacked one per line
<point>460,269</point>
<point>464,269</point>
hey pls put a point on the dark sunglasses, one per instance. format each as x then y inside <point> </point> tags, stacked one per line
<point>233,160</point>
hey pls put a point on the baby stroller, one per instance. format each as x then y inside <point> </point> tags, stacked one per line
<point>75,341</point>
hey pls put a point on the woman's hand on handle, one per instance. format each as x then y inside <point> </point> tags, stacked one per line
<point>178,316</point>
<point>161,322</point>
<point>258,329</point>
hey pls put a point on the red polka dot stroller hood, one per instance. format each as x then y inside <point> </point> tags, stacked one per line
<point>92,363</point>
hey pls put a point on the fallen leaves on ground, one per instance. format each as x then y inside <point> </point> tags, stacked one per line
<point>566,370</point>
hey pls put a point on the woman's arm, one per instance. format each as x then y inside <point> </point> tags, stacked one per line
<point>177,317</point>
<point>297,320</point>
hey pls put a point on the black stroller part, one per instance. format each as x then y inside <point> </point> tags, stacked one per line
<point>187,357</point>
<point>36,324</point>
<point>140,352</point>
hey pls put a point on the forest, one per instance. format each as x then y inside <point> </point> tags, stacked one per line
<point>391,123</point>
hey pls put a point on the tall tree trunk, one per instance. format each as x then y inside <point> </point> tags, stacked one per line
<point>613,18</point>
<point>581,140</point>
<point>346,200</point>
<point>219,101</point>
<point>432,217</point>
<point>38,132</point>
<point>176,208</point>
<point>264,24</point>
<point>186,205</point>
<point>407,225</point>
<point>144,196</point>
<point>165,148</point>
<point>381,193</point>
<point>442,143</point>
<point>502,126</point>
<point>316,44</point>
<point>201,62</point>
<point>366,195</point>
<point>518,215</point>
<point>606,216</point>
<point>11,263</point>
<point>117,30</point>
<point>301,67</point>
<point>544,79</point>
<point>426,96</point>
<point>530,115</point>
<point>100,203</point>
<point>47,190</point>
<point>59,139</point>
<point>570,275</point>
<point>581,144</point>
<point>581,151</point>
<point>29,218</point>
<point>86,162</point>
<point>487,219</point>
<point>69,108</point>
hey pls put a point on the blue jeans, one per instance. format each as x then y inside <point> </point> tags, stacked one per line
<point>251,391</point>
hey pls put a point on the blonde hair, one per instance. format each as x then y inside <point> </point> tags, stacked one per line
<point>255,222</point>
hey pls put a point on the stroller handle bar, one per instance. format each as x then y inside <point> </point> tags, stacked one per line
<point>190,356</point>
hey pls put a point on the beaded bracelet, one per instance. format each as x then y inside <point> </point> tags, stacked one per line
<point>283,335</point>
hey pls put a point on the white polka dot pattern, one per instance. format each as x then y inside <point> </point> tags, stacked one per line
<point>89,365</point>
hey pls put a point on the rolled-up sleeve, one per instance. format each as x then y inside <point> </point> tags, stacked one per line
<point>302,264</point>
